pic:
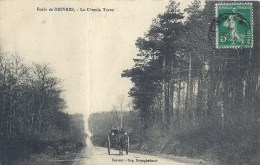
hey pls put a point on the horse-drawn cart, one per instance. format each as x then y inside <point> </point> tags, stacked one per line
<point>118,139</point>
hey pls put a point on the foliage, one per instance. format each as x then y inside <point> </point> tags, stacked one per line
<point>196,98</point>
<point>101,123</point>
<point>32,118</point>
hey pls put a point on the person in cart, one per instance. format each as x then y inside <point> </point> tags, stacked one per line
<point>118,139</point>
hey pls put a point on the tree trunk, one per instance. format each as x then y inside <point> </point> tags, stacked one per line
<point>163,92</point>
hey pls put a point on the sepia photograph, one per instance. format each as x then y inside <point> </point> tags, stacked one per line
<point>126,82</point>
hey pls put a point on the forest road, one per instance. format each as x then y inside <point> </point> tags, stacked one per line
<point>92,155</point>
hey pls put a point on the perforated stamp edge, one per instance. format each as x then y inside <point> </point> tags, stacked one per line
<point>252,26</point>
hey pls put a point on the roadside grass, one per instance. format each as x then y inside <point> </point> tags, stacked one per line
<point>46,158</point>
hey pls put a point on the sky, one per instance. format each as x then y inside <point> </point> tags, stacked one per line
<point>87,50</point>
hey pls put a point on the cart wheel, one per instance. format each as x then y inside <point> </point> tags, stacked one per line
<point>108,145</point>
<point>127,145</point>
<point>121,151</point>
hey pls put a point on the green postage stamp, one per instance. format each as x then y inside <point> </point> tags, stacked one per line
<point>234,25</point>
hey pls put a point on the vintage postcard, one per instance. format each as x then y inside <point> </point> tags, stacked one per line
<point>125,82</point>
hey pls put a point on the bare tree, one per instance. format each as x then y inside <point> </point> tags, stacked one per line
<point>121,102</point>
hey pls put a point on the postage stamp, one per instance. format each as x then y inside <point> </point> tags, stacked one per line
<point>234,25</point>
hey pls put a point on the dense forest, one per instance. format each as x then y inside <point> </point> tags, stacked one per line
<point>194,94</point>
<point>32,118</point>
<point>190,98</point>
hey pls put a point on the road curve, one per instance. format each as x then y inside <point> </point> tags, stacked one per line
<point>92,155</point>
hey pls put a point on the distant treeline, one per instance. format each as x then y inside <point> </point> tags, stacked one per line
<point>193,99</point>
<point>32,120</point>
<point>101,123</point>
